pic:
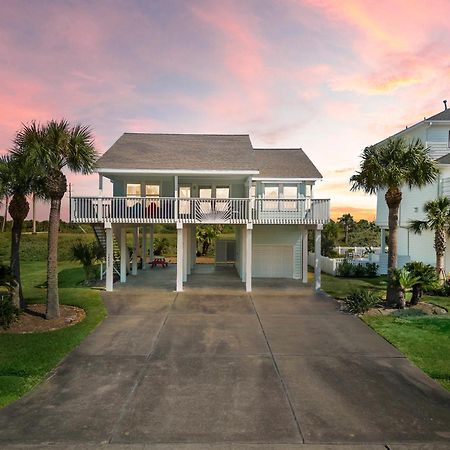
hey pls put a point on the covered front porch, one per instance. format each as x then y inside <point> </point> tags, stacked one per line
<point>186,273</point>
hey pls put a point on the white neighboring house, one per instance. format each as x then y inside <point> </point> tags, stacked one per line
<point>434,132</point>
<point>194,179</point>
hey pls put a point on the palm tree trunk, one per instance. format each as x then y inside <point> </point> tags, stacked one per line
<point>439,246</point>
<point>393,198</point>
<point>16,233</point>
<point>18,209</point>
<point>52,262</point>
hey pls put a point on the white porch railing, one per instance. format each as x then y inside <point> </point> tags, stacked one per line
<point>305,211</point>
<point>198,210</point>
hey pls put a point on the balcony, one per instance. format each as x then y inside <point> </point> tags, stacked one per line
<point>142,210</point>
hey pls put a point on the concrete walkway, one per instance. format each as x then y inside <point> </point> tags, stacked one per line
<point>215,368</point>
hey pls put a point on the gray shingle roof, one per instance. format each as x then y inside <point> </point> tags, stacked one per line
<point>444,159</point>
<point>179,151</point>
<point>443,115</point>
<point>149,151</point>
<point>285,163</point>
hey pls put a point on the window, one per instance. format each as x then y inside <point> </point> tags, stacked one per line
<point>270,192</point>
<point>290,193</point>
<point>222,194</point>
<point>205,192</point>
<point>152,190</point>
<point>448,142</point>
<point>308,190</point>
<point>133,190</point>
<point>185,193</point>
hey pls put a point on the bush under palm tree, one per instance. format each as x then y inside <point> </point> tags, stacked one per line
<point>88,254</point>
<point>437,219</point>
<point>426,279</point>
<point>52,148</point>
<point>390,167</point>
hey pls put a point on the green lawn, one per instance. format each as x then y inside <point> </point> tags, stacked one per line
<point>425,340</point>
<point>26,359</point>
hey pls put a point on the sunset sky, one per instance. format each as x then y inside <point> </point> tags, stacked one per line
<point>328,76</point>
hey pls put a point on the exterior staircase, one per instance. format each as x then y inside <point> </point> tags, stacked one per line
<point>100,234</point>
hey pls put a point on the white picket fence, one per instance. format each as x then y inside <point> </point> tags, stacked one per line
<point>330,265</point>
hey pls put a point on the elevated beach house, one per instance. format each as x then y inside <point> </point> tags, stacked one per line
<point>194,179</point>
<point>434,132</point>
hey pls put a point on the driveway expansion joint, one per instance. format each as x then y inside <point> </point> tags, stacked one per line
<point>277,370</point>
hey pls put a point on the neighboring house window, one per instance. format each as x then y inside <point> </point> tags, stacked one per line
<point>290,193</point>
<point>270,192</point>
<point>448,141</point>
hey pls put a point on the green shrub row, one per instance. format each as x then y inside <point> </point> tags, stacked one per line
<point>348,269</point>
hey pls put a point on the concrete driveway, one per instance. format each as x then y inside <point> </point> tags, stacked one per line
<point>281,368</point>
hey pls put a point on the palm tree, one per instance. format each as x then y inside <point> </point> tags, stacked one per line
<point>389,167</point>
<point>437,219</point>
<point>18,180</point>
<point>52,148</point>
<point>347,221</point>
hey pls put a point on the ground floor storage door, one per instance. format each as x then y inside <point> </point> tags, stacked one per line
<point>273,261</point>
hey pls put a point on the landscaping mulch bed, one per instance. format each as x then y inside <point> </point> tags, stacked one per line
<point>33,320</point>
<point>423,308</point>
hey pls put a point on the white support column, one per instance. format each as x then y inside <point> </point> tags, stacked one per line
<point>135,249</point>
<point>317,248</point>
<point>100,200</point>
<point>123,254</point>
<point>175,182</point>
<point>244,252</point>
<point>144,247</point>
<point>305,255</point>
<point>194,246</point>
<point>248,258</point>
<point>151,245</point>
<point>109,257</point>
<point>189,249</point>
<point>185,253</point>
<point>180,257</point>
<point>383,241</point>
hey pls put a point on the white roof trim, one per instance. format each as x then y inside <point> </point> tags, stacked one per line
<point>269,180</point>
<point>178,171</point>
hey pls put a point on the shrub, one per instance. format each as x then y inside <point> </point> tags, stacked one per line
<point>371,270</point>
<point>360,301</point>
<point>160,246</point>
<point>348,269</point>
<point>8,312</point>
<point>359,271</point>
<point>345,269</point>
<point>87,254</point>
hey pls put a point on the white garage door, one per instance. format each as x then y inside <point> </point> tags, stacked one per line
<point>273,261</point>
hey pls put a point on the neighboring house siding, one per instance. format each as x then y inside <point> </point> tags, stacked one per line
<point>421,247</point>
<point>278,237</point>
